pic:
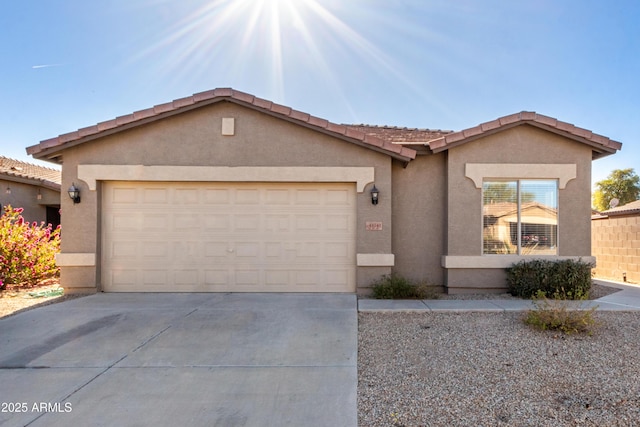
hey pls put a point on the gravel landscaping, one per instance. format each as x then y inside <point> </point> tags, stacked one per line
<point>490,369</point>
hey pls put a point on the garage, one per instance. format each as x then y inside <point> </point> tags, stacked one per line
<point>228,237</point>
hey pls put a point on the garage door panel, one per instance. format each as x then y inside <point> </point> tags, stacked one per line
<point>155,278</point>
<point>219,250</point>
<point>187,278</point>
<point>247,196</point>
<point>216,196</point>
<point>246,223</point>
<point>247,276</point>
<point>186,221</point>
<point>155,222</point>
<point>248,251</point>
<point>338,197</point>
<point>216,277</point>
<point>187,196</point>
<point>125,222</point>
<point>217,222</point>
<point>277,223</point>
<point>123,249</point>
<point>306,222</point>
<point>226,237</point>
<point>124,196</point>
<point>339,223</point>
<point>339,251</point>
<point>154,249</point>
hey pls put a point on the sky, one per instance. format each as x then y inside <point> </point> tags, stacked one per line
<point>437,64</point>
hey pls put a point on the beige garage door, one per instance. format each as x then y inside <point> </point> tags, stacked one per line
<point>228,237</point>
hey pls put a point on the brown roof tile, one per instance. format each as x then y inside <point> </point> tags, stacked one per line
<point>54,145</point>
<point>602,145</point>
<point>400,135</point>
<point>629,208</point>
<point>385,138</point>
<point>48,177</point>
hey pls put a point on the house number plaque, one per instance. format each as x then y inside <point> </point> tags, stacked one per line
<point>373,226</point>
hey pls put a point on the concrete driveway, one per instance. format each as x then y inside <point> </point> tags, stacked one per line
<point>182,359</point>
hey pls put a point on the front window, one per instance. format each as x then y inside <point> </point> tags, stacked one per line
<point>520,217</point>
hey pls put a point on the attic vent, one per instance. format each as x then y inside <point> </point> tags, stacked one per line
<point>228,126</point>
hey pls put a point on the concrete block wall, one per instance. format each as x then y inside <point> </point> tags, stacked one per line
<point>615,242</point>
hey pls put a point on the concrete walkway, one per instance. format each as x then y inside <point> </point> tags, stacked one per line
<point>182,360</point>
<point>627,299</point>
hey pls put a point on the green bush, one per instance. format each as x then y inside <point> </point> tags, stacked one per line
<point>27,254</point>
<point>556,315</point>
<point>394,286</point>
<point>567,277</point>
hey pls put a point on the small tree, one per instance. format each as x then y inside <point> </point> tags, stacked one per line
<point>621,184</point>
<point>27,254</point>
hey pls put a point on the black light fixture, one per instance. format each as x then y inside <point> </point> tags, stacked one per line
<point>374,195</point>
<point>74,193</point>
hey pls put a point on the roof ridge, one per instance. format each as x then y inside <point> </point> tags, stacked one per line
<point>397,127</point>
<point>605,144</point>
<point>236,96</point>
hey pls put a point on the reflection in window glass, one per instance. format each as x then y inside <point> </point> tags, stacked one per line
<point>520,217</point>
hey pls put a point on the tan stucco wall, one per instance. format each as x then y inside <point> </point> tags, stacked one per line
<point>26,196</point>
<point>616,246</point>
<point>419,216</point>
<point>195,139</point>
<point>525,145</point>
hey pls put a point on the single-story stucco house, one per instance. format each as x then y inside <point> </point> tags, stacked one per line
<point>35,189</point>
<point>224,191</point>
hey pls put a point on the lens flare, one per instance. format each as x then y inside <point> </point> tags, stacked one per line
<point>236,41</point>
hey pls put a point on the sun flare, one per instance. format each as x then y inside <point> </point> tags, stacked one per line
<point>266,40</point>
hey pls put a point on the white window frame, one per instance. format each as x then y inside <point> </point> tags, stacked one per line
<point>518,182</point>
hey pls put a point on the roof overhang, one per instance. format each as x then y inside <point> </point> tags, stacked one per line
<point>52,149</point>
<point>601,145</point>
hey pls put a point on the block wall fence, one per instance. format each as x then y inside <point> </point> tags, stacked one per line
<point>615,242</point>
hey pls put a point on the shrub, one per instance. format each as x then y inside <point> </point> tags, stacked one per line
<point>556,315</point>
<point>27,254</point>
<point>567,277</point>
<point>394,286</point>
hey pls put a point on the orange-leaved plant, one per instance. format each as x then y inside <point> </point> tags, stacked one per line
<point>27,251</point>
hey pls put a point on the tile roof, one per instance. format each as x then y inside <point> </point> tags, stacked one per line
<point>629,208</point>
<point>398,135</point>
<point>394,141</point>
<point>48,177</point>
<point>48,148</point>
<point>500,209</point>
<point>602,145</point>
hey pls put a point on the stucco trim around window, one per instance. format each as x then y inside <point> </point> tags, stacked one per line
<point>503,261</point>
<point>75,260</point>
<point>477,172</point>
<point>375,260</point>
<point>93,173</point>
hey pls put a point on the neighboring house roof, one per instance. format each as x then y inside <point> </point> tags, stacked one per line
<point>628,209</point>
<point>15,170</point>
<point>386,139</point>
<point>49,148</point>
<point>501,209</point>
<point>601,145</point>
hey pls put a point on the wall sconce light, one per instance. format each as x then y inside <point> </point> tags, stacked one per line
<point>39,196</point>
<point>374,195</point>
<point>8,190</point>
<point>74,194</point>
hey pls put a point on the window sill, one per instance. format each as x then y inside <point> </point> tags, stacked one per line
<point>502,261</point>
